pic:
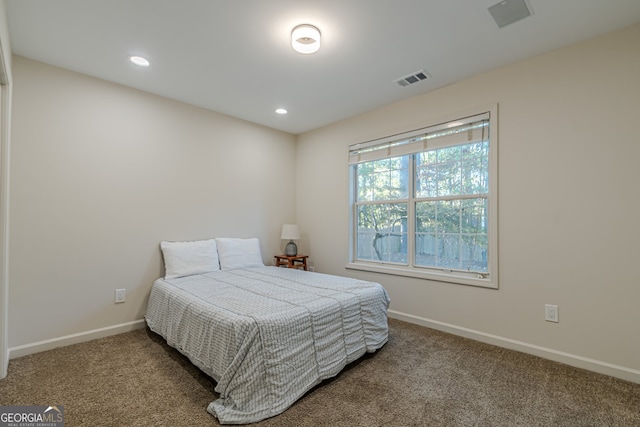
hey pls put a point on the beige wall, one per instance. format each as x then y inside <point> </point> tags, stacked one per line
<point>568,204</point>
<point>100,174</point>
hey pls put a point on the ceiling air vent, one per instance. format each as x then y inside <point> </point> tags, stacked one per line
<point>509,11</point>
<point>416,77</point>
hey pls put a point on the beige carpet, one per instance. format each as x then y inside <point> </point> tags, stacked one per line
<point>421,377</point>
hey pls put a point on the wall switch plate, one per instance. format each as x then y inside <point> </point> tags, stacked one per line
<point>551,313</point>
<point>120,294</point>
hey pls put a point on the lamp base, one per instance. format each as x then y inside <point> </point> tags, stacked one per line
<point>291,249</point>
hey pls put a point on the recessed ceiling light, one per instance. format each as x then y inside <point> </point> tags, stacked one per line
<point>281,111</point>
<point>305,38</point>
<point>139,60</point>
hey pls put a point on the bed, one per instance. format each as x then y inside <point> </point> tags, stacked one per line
<point>267,335</point>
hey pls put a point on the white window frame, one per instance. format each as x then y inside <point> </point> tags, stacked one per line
<point>486,280</point>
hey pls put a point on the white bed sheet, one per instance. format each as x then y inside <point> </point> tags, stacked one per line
<point>267,335</point>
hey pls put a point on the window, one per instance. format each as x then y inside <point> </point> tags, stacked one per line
<point>424,203</point>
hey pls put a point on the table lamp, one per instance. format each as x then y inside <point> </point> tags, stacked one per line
<point>290,232</point>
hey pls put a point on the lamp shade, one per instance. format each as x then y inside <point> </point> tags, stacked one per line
<point>290,232</point>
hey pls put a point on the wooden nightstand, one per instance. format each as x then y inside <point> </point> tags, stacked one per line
<point>296,261</point>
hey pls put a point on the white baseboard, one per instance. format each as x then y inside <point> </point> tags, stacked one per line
<point>50,344</point>
<point>598,366</point>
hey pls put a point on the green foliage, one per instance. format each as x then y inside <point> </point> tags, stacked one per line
<point>445,224</point>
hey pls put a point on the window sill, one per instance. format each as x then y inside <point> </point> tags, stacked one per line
<point>461,279</point>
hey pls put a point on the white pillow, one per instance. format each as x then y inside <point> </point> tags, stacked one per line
<point>187,258</point>
<point>238,253</point>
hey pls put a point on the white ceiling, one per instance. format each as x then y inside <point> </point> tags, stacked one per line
<point>235,56</point>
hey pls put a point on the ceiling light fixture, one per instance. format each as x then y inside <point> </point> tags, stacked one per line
<point>139,60</point>
<point>281,111</point>
<point>305,39</point>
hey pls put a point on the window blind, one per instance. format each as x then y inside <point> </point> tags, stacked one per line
<point>464,131</point>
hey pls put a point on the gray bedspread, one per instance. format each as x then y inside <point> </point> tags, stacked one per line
<point>268,335</point>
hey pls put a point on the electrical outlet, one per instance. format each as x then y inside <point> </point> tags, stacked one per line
<point>551,313</point>
<point>120,294</point>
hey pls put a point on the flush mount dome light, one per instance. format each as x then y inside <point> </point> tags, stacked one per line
<point>139,60</point>
<point>305,39</point>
